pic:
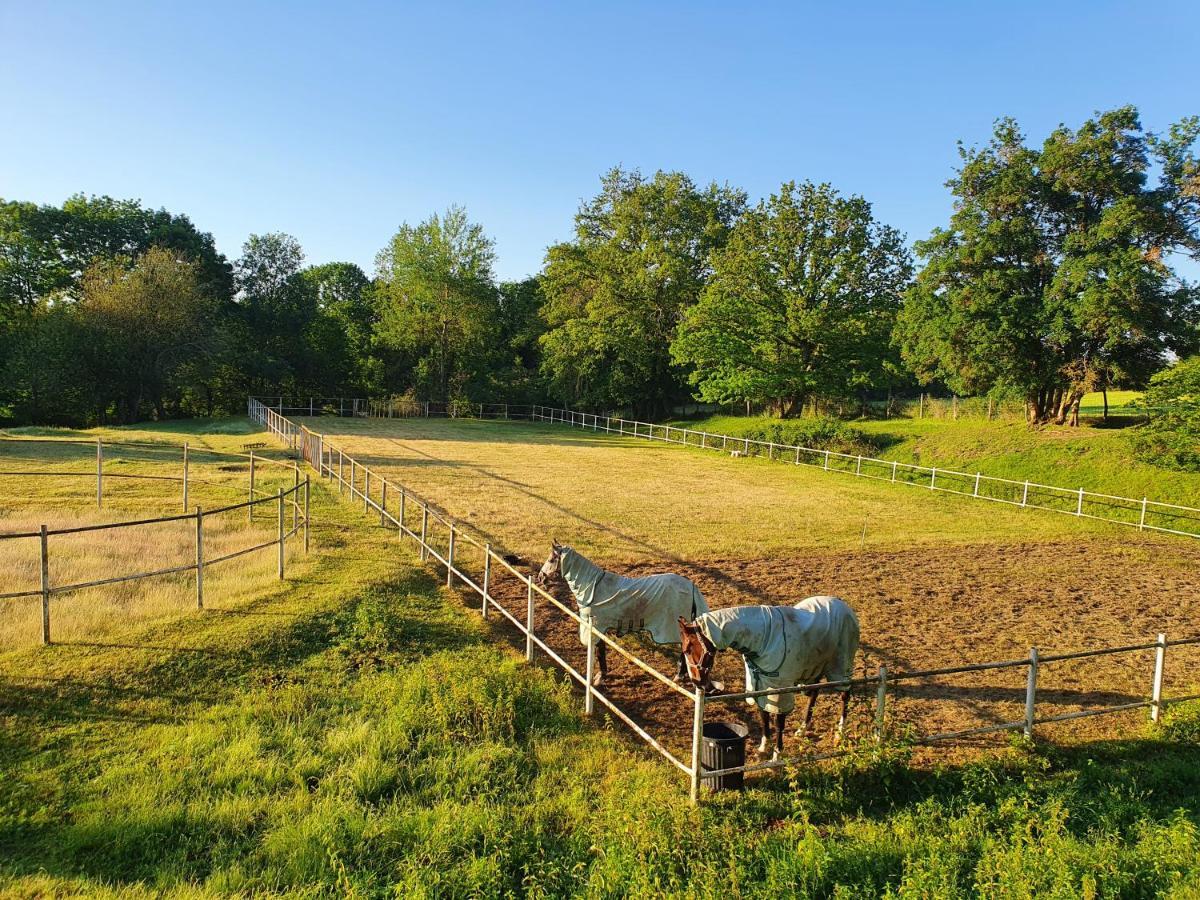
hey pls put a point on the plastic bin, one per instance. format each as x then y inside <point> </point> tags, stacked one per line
<point>724,746</point>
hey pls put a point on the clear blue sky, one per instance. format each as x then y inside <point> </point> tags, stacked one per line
<point>337,122</point>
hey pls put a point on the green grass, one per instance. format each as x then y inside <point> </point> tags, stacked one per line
<point>1098,459</point>
<point>356,731</point>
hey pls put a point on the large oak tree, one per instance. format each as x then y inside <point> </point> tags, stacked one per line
<point>1053,277</point>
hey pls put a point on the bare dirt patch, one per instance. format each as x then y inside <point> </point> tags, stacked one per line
<point>942,607</point>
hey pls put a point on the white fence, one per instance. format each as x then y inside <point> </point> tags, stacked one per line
<point>1143,514</point>
<point>407,509</point>
<point>296,497</point>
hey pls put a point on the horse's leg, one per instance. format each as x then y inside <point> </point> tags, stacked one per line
<point>780,719</point>
<point>842,719</point>
<point>602,662</point>
<point>765,718</point>
<point>808,712</point>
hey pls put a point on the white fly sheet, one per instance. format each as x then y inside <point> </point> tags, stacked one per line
<point>616,604</point>
<point>784,646</point>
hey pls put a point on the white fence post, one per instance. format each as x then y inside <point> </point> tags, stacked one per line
<point>588,700</point>
<point>306,489</point>
<point>893,470</point>
<point>697,742</point>
<point>1079,508</point>
<point>1142,520</point>
<point>977,477</point>
<point>933,478</point>
<point>45,567</point>
<point>529,621</point>
<point>880,703</point>
<point>450,559</point>
<point>424,532</point>
<point>341,479</point>
<point>1160,661</point>
<point>366,489</point>
<point>487,579</point>
<point>185,476</point>
<point>1031,691</point>
<point>250,508</point>
<point>99,473</point>
<point>199,558</point>
<point>383,506</point>
<point>858,465</point>
<point>1025,495</point>
<point>403,498</point>
<point>826,459</point>
<point>279,504</point>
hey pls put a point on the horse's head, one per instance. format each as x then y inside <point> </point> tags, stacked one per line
<point>551,567</point>
<point>699,654</point>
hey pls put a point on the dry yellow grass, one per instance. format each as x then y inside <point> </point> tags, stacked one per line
<point>629,499</point>
<point>139,483</point>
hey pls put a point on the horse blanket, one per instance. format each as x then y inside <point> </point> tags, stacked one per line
<point>784,646</point>
<point>617,604</point>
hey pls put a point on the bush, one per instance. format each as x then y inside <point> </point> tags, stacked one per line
<point>819,434</point>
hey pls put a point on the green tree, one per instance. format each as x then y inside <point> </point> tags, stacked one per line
<point>1052,278</point>
<point>616,293</point>
<point>149,322</point>
<point>1172,436</point>
<point>438,304</point>
<point>801,302</point>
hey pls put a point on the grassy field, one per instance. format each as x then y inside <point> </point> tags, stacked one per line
<point>625,498</point>
<point>1098,459</point>
<point>140,482</point>
<point>355,731</point>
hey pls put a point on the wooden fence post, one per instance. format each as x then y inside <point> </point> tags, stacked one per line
<point>199,558</point>
<point>1160,661</point>
<point>487,578</point>
<point>880,703</point>
<point>697,742</point>
<point>279,505</point>
<point>45,561</point>
<point>1031,692</point>
<point>99,474</point>
<point>185,476</point>
<point>450,559</point>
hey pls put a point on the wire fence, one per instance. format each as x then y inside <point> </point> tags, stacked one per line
<point>294,497</point>
<point>470,560</point>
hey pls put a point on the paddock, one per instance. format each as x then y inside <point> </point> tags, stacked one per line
<point>938,585</point>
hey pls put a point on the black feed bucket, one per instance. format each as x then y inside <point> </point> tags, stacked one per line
<point>724,747</point>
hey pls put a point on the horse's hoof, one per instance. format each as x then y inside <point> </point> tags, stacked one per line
<point>763,746</point>
<point>776,756</point>
<point>718,687</point>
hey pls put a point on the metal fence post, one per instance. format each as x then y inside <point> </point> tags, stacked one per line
<point>1160,660</point>
<point>99,473</point>
<point>977,477</point>
<point>383,505</point>
<point>826,457</point>
<point>697,742</point>
<point>424,532</point>
<point>199,558</point>
<point>529,620</point>
<point>403,497</point>
<point>250,508</point>
<point>341,479</point>
<point>1142,520</point>
<point>880,703</point>
<point>279,505</point>
<point>588,700</point>
<point>487,578</point>
<point>295,496</point>
<point>933,479</point>
<point>450,559</point>
<point>893,470</point>
<point>45,561</point>
<point>185,476</point>
<point>858,465</point>
<point>1031,691</point>
<point>1025,495</point>
<point>1079,508</point>
<point>306,507</point>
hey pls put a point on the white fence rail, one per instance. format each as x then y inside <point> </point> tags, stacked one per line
<point>1143,514</point>
<point>359,480</point>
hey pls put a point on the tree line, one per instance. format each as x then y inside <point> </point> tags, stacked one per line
<point>1054,276</point>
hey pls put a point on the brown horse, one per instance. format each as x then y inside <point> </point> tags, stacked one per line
<point>782,646</point>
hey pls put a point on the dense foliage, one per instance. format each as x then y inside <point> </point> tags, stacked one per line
<point>1172,436</point>
<point>1053,278</point>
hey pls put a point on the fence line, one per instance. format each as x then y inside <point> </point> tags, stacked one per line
<point>296,497</point>
<point>1143,514</point>
<point>335,464</point>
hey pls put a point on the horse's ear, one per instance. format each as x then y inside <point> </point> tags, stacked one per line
<point>555,544</point>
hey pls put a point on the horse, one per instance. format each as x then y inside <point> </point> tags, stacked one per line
<point>781,646</point>
<point>617,604</point>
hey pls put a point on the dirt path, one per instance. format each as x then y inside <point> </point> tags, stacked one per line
<point>925,608</point>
